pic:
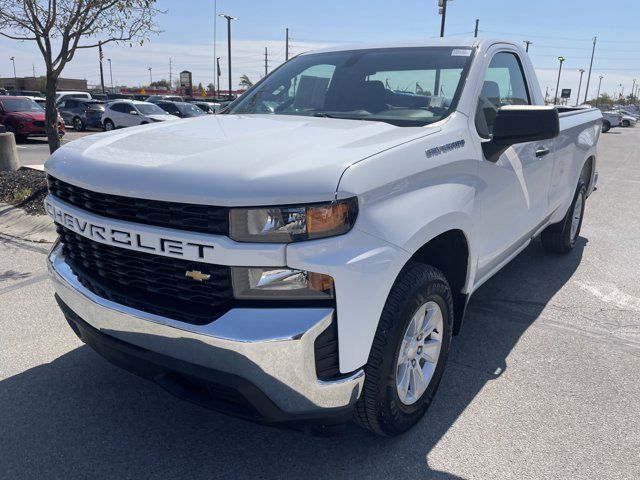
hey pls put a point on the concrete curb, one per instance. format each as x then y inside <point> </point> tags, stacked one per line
<point>14,222</point>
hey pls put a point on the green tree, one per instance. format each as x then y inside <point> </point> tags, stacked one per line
<point>161,84</point>
<point>62,27</point>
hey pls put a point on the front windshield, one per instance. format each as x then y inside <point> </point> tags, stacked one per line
<point>21,105</point>
<point>150,109</point>
<point>402,86</point>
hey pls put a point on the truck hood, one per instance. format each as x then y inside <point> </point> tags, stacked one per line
<point>227,160</point>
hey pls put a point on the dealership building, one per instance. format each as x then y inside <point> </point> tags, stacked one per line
<point>38,83</point>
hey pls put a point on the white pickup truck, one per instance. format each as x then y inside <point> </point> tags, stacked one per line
<point>306,257</point>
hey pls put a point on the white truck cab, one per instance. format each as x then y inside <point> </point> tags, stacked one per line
<point>307,256</point>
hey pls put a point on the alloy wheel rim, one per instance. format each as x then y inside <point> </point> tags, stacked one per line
<point>419,352</point>
<point>576,216</point>
<point>77,124</point>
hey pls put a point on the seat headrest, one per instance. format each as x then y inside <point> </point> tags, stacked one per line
<point>490,90</point>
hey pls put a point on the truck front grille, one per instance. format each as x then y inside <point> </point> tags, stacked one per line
<point>181,216</point>
<point>146,282</point>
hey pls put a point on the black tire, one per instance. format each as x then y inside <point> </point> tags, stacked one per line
<point>606,126</point>
<point>557,238</point>
<point>625,123</point>
<point>109,125</point>
<point>379,408</point>
<point>78,124</point>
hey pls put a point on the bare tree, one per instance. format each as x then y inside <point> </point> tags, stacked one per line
<point>62,27</point>
<point>245,81</point>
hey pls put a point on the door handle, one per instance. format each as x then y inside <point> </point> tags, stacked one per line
<point>541,152</point>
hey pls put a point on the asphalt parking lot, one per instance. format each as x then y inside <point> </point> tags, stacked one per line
<point>34,151</point>
<point>542,383</point>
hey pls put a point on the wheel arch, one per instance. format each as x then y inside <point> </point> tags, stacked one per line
<point>450,252</point>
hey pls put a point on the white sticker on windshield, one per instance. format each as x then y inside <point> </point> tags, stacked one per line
<point>459,52</point>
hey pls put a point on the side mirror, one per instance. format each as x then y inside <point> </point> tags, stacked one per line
<point>133,112</point>
<point>520,124</point>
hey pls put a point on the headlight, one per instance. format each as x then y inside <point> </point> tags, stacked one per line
<point>292,224</point>
<point>280,284</point>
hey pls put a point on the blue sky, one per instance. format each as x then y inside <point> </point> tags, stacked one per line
<point>556,27</point>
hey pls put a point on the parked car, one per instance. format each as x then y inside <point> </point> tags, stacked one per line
<point>100,96</point>
<point>610,119</point>
<point>82,113</point>
<point>25,93</point>
<point>206,107</point>
<point>159,98</point>
<point>24,117</point>
<point>39,100</point>
<point>628,120</point>
<point>180,109</point>
<point>60,96</point>
<point>121,96</point>
<point>308,256</point>
<point>127,113</point>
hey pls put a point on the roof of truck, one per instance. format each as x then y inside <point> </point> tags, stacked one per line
<point>468,42</point>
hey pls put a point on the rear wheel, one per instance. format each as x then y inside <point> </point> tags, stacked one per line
<point>625,123</point>
<point>108,125</point>
<point>606,126</point>
<point>78,125</point>
<point>561,237</point>
<point>409,352</point>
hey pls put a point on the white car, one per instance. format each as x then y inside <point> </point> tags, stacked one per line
<point>128,113</point>
<point>60,96</point>
<point>308,256</point>
<point>611,119</point>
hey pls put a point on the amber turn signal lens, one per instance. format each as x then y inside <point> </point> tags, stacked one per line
<point>327,218</point>
<point>320,283</point>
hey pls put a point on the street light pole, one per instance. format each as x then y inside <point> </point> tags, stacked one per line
<point>110,74</point>
<point>443,11</point>
<point>579,86</point>
<point>599,85</point>
<point>218,76</point>
<point>15,77</point>
<point>555,100</point>
<point>586,92</point>
<point>229,18</point>
<point>633,88</point>
<point>150,76</point>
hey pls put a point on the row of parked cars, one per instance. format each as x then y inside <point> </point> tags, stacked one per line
<point>622,117</point>
<point>24,115</point>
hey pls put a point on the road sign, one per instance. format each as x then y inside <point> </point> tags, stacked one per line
<point>566,93</point>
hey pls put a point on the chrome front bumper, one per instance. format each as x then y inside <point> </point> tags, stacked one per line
<point>271,348</point>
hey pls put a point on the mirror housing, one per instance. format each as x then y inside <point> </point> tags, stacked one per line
<point>520,124</point>
<point>133,112</point>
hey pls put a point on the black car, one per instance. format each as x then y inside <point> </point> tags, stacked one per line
<point>205,107</point>
<point>180,109</point>
<point>82,113</point>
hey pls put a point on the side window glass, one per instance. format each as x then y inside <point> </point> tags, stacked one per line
<point>117,107</point>
<point>504,84</point>
<point>62,104</point>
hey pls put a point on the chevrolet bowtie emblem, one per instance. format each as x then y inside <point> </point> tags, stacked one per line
<point>196,275</point>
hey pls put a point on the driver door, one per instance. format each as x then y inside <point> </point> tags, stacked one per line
<point>514,200</point>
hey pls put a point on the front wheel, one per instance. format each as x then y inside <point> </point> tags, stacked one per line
<point>625,123</point>
<point>606,126</point>
<point>561,237</point>
<point>409,352</point>
<point>108,125</point>
<point>78,125</point>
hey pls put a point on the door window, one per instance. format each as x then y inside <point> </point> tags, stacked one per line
<point>504,84</point>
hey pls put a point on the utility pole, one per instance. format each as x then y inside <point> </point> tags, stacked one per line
<point>475,33</point>
<point>598,94</point>
<point>579,85</point>
<point>218,73</point>
<point>527,42</point>
<point>110,74</point>
<point>34,70</point>
<point>286,45</point>
<point>586,92</point>
<point>150,76</point>
<point>101,56</point>
<point>633,89</point>
<point>266,61</point>
<point>443,11</point>
<point>170,75</point>
<point>229,18</point>
<point>560,59</point>
<point>546,95</point>
<point>15,77</point>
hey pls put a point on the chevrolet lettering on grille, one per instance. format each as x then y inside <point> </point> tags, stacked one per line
<point>131,238</point>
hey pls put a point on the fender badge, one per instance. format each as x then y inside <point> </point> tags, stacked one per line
<point>432,152</point>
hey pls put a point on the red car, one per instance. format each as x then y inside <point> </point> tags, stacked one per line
<point>24,117</point>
